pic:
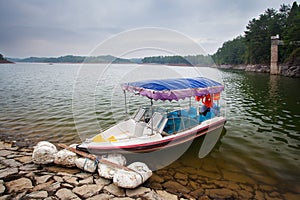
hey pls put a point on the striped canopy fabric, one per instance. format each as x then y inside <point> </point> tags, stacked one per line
<point>174,89</point>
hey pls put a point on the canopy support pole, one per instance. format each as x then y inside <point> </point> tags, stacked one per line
<point>126,113</point>
<point>190,102</point>
<point>151,107</point>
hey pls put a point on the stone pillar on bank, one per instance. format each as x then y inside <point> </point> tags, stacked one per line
<point>274,67</point>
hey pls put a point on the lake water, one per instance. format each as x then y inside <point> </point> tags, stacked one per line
<point>69,102</point>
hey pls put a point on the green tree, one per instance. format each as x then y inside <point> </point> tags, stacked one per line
<point>232,52</point>
<point>254,46</point>
<point>258,33</point>
<point>291,32</point>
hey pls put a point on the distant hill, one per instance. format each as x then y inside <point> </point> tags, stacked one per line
<point>195,60</point>
<point>73,59</point>
<point>3,60</point>
<point>136,60</point>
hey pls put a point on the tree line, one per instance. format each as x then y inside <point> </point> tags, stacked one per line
<point>3,60</point>
<point>74,59</point>
<point>254,46</point>
<point>180,60</point>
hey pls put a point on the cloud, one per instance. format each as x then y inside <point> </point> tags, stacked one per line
<point>33,27</point>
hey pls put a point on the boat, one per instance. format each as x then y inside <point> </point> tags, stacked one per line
<point>153,128</point>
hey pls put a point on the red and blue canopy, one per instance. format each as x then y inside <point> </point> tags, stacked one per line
<point>174,89</point>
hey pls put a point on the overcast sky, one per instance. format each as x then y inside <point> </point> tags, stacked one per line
<point>62,27</point>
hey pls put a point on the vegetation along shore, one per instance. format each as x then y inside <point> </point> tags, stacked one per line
<point>252,51</point>
<point>3,60</point>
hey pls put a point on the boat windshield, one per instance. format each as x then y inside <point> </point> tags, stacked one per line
<point>177,120</point>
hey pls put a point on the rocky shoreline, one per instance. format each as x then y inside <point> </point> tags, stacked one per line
<point>5,62</point>
<point>20,178</point>
<point>288,71</point>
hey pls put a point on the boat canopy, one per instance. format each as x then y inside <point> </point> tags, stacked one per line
<point>174,89</point>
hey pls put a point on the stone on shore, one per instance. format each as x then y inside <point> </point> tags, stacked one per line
<point>166,195</point>
<point>66,194</point>
<point>7,172</point>
<point>24,159</point>
<point>5,153</point>
<point>42,179</point>
<point>102,196</point>
<point>137,191</point>
<point>290,71</point>
<point>44,153</point>
<point>60,169</point>
<point>222,193</point>
<point>2,187</point>
<point>86,191</point>
<point>19,185</point>
<point>115,158</point>
<point>101,182</point>
<point>5,145</point>
<point>38,195</point>
<point>65,158</point>
<point>43,186</point>
<point>53,187</point>
<point>138,174</point>
<point>89,180</point>
<point>175,187</point>
<point>151,196</point>
<point>29,167</point>
<point>108,170</point>
<point>86,164</point>
<point>114,190</point>
<point>71,180</point>
<point>156,178</point>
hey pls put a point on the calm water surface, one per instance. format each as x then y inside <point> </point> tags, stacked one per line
<point>261,136</point>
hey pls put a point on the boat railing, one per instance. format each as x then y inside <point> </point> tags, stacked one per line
<point>164,121</point>
<point>179,123</point>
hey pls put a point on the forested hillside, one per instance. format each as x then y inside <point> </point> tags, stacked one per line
<point>74,59</point>
<point>254,46</point>
<point>197,60</point>
<point>3,60</point>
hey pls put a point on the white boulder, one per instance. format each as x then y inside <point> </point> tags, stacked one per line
<point>107,170</point>
<point>66,158</point>
<point>45,143</point>
<point>44,153</point>
<point>132,179</point>
<point>114,158</point>
<point>86,164</point>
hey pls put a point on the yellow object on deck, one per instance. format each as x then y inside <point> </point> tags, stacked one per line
<point>112,139</point>
<point>99,138</point>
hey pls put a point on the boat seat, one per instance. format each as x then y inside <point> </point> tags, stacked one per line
<point>139,129</point>
<point>153,124</point>
<point>155,120</point>
<point>162,125</point>
<point>139,114</point>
